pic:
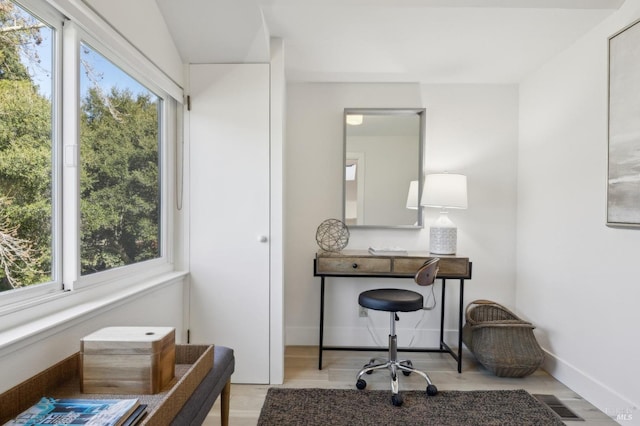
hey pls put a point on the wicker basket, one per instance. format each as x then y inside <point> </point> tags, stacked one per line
<point>501,341</point>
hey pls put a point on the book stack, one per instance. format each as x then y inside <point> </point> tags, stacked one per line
<point>71,411</point>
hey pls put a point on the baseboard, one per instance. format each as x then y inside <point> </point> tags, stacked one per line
<point>361,336</point>
<point>604,398</point>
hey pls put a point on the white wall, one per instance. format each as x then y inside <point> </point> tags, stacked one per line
<point>142,24</point>
<point>276,253</point>
<point>470,129</point>
<point>577,279</point>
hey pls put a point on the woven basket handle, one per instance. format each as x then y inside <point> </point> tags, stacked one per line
<point>486,303</point>
<point>467,315</point>
<point>504,324</point>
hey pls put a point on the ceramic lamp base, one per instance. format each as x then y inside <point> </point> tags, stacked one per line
<point>443,240</point>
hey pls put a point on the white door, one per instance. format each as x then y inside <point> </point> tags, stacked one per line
<point>229,213</point>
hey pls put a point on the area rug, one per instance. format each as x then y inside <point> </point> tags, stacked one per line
<point>321,407</point>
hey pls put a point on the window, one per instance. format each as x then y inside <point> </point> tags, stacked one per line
<point>26,148</point>
<point>83,193</point>
<point>119,158</point>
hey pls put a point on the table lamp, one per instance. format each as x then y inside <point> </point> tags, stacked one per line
<point>444,191</point>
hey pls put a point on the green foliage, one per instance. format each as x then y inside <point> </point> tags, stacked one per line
<point>25,173</point>
<point>25,158</point>
<point>16,262</point>
<point>119,180</point>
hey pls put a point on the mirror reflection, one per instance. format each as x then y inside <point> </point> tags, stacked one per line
<point>382,157</point>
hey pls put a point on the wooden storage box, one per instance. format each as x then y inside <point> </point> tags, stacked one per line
<point>133,360</point>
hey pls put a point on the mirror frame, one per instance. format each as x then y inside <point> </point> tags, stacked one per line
<point>421,113</point>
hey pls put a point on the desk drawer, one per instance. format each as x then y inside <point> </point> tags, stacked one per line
<point>450,267</point>
<point>354,265</point>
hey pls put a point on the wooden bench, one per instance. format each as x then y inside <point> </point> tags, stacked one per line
<point>216,383</point>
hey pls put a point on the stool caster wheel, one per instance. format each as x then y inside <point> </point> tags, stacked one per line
<point>396,399</point>
<point>432,390</point>
<point>408,364</point>
<point>361,384</point>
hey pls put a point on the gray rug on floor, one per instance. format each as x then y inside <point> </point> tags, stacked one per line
<point>353,407</point>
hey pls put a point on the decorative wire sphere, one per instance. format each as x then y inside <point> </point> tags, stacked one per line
<point>332,235</point>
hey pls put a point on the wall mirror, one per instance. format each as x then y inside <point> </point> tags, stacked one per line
<point>383,155</point>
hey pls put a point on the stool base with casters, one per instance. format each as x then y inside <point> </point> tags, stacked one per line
<point>394,301</point>
<point>394,366</point>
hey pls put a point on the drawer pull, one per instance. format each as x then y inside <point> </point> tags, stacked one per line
<point>354,266</point>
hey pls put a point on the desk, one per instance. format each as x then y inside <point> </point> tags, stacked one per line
<point>361,264</point>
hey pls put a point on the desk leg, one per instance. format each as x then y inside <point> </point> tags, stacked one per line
<point>443,304</point>
<point>320,344</point>
<point>443,345</point>
<point>460,309</point>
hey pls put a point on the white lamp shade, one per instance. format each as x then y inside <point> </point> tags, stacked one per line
<point>412,196</point>
<point>445,190</point>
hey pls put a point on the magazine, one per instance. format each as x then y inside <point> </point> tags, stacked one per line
<point>137,415</point>
<point>72,411</point>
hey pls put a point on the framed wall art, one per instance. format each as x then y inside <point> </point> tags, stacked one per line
<point>623,176</point>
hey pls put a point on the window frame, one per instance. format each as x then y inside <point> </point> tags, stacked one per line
<point>71,98</point>
<point>79,24</point>
<point>55,20</point>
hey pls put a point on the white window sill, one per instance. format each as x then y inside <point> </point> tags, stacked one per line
<point>62,310</point>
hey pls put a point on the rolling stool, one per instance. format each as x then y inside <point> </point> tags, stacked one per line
<point>393,301</point>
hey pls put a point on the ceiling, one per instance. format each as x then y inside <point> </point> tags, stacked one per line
<point>426,41</point>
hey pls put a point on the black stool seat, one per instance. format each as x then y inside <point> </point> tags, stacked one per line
<point>391,300</point>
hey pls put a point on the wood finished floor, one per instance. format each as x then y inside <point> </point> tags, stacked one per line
<point>340,368</point>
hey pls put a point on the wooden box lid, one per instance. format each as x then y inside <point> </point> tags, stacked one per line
<point>128,340</point>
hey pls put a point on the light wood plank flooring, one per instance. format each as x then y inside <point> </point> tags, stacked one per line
<point>340,368</point>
